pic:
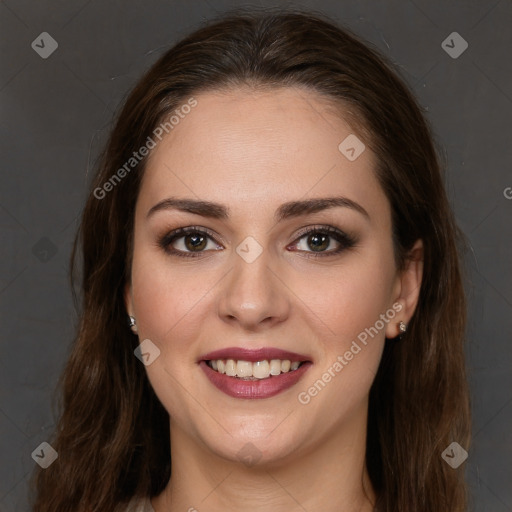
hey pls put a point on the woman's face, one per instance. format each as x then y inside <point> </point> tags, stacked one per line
<point>252,280</point>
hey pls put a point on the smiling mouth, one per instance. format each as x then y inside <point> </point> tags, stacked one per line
<point>258,370</point>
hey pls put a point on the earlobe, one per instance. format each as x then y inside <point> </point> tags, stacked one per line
<point>128,301</point>
<point>408,290</point>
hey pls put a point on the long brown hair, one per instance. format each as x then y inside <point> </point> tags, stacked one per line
<point>113,433</point>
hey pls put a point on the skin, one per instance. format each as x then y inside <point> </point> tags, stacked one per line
<point>252,151</point>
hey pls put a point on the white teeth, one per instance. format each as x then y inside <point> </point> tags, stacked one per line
<point>275,367</point>
<point>244,369</point>
<point>261,369</point>
<point>230,367</point>
<point>253,371</point>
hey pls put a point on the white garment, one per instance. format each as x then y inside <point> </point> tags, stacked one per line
<point>140,505</point>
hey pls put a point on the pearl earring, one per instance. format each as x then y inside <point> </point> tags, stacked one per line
<point>132,323</point>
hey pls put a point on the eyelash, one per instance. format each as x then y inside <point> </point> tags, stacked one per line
<point>345,240</point>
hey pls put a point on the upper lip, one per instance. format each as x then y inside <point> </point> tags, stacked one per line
<point>253,355</point>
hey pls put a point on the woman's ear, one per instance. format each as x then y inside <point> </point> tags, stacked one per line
<point>128,302</point>
<point>407,288</point>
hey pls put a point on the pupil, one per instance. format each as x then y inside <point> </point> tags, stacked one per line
<point>195,241</point>
<point>313,239</point>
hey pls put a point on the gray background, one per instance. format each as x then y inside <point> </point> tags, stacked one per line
<point>56,113</point>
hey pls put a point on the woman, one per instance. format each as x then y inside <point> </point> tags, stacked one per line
<point>271,289</point>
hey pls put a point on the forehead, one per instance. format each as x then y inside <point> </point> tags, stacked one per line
<point>259,148</point>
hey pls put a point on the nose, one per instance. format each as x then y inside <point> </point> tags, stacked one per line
<point>253,295</point>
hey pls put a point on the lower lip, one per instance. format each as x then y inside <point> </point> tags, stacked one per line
<point>264,388</point>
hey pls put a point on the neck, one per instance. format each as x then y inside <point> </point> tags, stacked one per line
<point>331,477</point>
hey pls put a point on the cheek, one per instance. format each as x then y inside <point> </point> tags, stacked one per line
<point>166,298</point>
<point>167,304</point>
<point>348,298</point>
<point>352,350</point>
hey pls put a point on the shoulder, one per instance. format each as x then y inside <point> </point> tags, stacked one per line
<point>140,505</point>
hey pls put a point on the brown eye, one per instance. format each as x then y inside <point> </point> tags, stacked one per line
<point>195,242</point>
<point>319,239</point>
<point>188,242</point>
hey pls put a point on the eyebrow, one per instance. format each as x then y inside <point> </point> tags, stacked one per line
<point>285,211</point>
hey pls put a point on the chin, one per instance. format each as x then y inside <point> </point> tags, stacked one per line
<point>265,449</point>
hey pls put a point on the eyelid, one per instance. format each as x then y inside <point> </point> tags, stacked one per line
<point>324,228</point>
